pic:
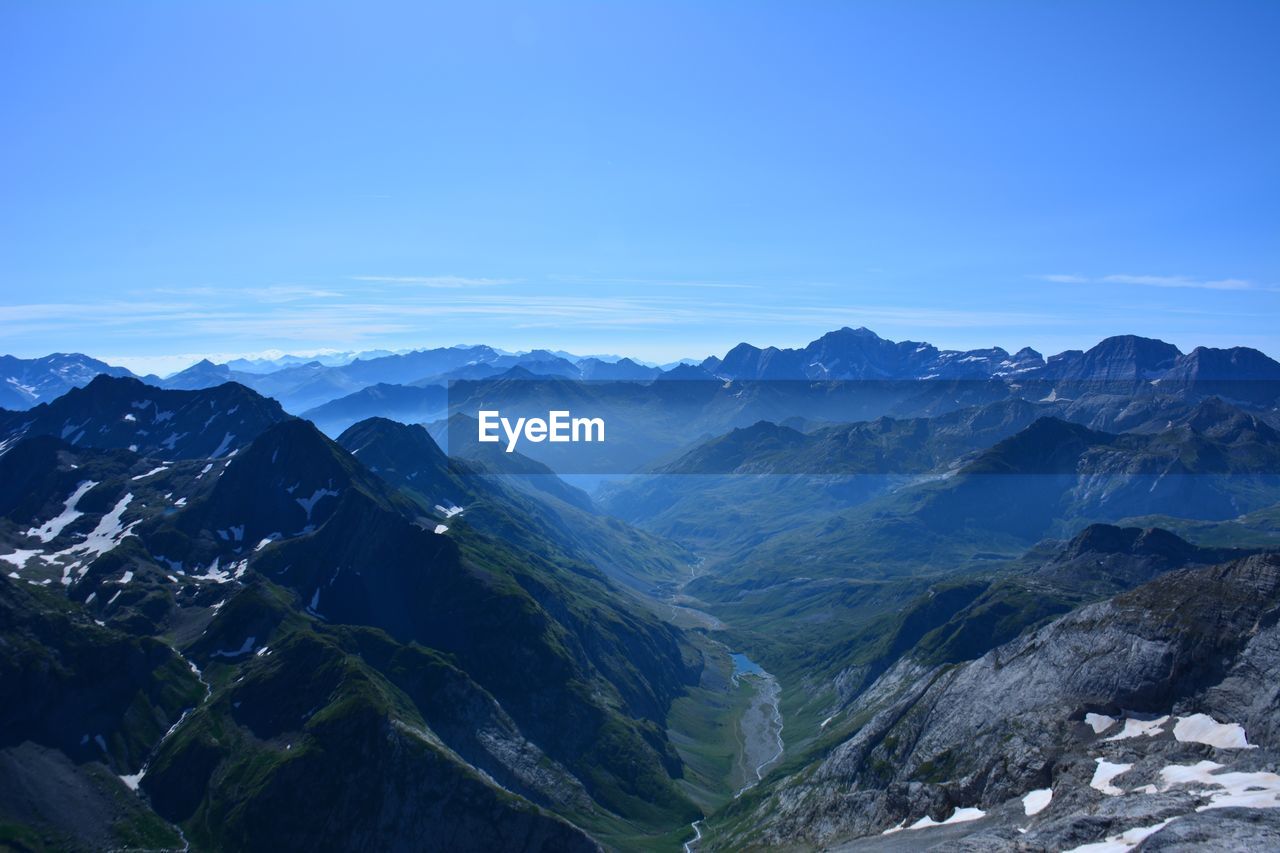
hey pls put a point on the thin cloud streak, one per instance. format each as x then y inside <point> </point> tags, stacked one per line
<point>352,321</point>
<point>439,281</point>
<point>352,316</point>
<point>654,282</point>
<point>271,294</point>
<point>1169,281</point>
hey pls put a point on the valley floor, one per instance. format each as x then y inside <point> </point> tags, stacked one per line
<point>728,730</point>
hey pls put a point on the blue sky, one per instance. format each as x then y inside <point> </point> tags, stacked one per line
<point>658,179</point>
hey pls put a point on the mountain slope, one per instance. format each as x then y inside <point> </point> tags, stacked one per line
<point>585,678</point>
<point>341,737</point>
<point>125,413</point>
<point>731,493</point>
<point>980,736</point>
<point>580,674</point>
<point>79,704</point>
<point>403,403</point>
<point>1050,478</point>
<point>515,499</point>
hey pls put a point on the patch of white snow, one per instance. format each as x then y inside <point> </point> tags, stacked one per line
<point>1037,801</point>
<point>1103,775</point>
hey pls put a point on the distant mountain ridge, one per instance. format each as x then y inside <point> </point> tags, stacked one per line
<point>843,354</point>
<point>862,355</point>
<point>24,382</point>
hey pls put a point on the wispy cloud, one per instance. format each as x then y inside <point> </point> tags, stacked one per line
<point>1180,281</point>
<point>368,311</point>
<point>441,281</point>
<point>1174,281</point>
<point>654,282</point>
<point>352,320</point>
<point>272,294</point>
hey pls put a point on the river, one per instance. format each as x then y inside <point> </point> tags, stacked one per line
<point>760,725</point>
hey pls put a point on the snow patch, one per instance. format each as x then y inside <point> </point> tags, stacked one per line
<point>1258,790</point>
<point>110,530</point>
<point>1037,801</point>
<point>1105,772</point>
<point>105,536</point>
<point>1126,840</point>
<point>18,559</point>
<point>213,573</point>
<point>1201,728</point>
<point>1099,722</point>
<point>222,448</point>
<point>958,816</point>
<point>1140,728</point>
<point>52,528</point>
<point>309,504</point>
<point>68,428</point>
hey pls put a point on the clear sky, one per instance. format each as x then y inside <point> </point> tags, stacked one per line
<point>649,178</point>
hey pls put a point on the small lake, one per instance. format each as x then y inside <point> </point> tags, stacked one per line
<point>743,665</point>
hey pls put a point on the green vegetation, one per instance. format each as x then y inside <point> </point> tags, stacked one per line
<point>703,726</point>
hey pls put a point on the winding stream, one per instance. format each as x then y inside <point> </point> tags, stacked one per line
<point>134,779</point>
<point>760,724</point>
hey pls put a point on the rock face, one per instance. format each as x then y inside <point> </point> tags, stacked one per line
<point>1109,559</point>
<point>1115,707</point>
<point>1124,358</point>
<point>1206,363</point>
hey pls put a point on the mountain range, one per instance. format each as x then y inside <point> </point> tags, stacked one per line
<point>246,556</point>
<point>844,354</point>
<point>860,595</point>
